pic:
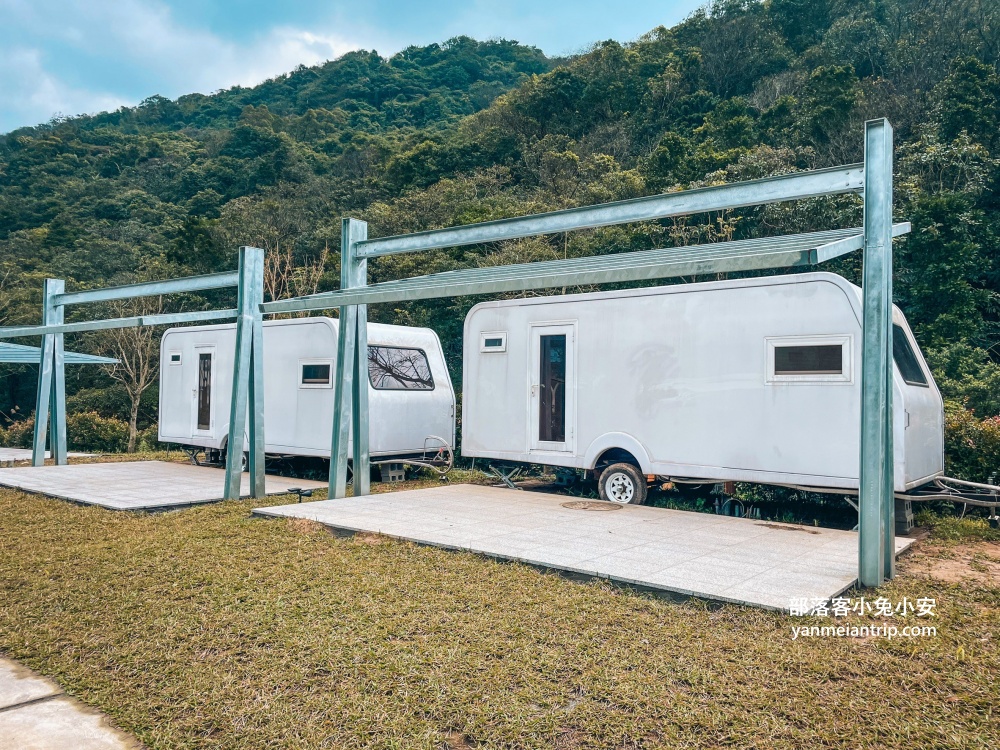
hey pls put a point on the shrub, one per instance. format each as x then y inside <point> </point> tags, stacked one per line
<point>147,440</point>
<point>18,434</point>
<point>972,445</point>
<point>84,432</point>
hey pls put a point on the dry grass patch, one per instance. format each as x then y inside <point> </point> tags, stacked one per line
<point>976,564</point>
<point>206,628</point>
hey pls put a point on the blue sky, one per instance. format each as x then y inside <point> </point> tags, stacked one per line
<point>75,56</point>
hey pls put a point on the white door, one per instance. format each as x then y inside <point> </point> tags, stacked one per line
<point>552,384</point>
<point>203,391</point>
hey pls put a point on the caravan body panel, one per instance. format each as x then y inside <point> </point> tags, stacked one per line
<point>694,380</point>
<point>300,357</point>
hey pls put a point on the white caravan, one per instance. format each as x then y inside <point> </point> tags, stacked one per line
<point>755,380</point>
<point>412,403</point>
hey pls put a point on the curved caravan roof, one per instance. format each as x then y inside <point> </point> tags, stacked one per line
<point>851,291</point>
<point>378,333</point>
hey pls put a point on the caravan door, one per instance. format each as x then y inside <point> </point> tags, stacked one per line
<point>204,424</point>
<point>552,385</point>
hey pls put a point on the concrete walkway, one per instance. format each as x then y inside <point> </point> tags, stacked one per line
<point>36,715</point>
<point>138,485</point>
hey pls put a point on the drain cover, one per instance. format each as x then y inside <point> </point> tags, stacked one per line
<point>591,505</point>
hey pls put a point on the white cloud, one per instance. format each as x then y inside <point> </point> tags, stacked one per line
<point>285,48</point>
<point>30,95</point>
<point>144,39</point>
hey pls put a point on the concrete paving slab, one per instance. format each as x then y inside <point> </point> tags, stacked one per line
<point>59,724</point>
<point>137,485</point>
<point>20,685</point>
<point>35,715</point>
<point>739,560</point>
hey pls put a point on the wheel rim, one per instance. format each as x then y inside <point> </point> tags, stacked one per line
<point>620,488</point>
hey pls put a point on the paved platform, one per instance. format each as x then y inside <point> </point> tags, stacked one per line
<point>36,715</point>
<point>137,485</point>
<point>738,560</point>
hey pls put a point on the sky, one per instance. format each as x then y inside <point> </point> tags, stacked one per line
<point>68,57</point>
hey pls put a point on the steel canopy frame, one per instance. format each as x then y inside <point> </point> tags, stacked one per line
<point>247,373</point>
<point>872,179</point>
<point>796,186</point>
<point>18,354</point>
<point>789,251</point>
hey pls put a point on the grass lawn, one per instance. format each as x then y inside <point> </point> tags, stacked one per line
<point>205,628</point>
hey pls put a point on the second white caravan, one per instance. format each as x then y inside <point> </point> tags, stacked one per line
<point>755,380</point>
<point>412,403</point>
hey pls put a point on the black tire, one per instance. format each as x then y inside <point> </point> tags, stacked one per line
<point>623,484</point>
<point>244,459</point>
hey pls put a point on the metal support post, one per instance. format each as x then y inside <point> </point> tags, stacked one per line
<point>247,379</point>
<point>351,387</point>
<point>256,381</point>
<point>51,382</point>
<point>347,328</point>
<point>358,231</point>
<point>876,538</point>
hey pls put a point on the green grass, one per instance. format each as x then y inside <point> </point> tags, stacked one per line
<point>954,529</point>
<point>206,628</point>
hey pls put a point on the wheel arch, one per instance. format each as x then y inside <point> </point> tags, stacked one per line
<point>616,444</point>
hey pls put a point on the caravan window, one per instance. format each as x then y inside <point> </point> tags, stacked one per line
<point>493,341</point>
<point>809,359</point>
<point>825,359</point>
<point>906,359</point>
<point>393,368</point>
<point>315,374</point>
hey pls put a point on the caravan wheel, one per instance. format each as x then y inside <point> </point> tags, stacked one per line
<point>624,484</point>
<point>244,459</point>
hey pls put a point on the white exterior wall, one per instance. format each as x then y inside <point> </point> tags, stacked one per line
<point>678,376</point>
<point>298,419</point>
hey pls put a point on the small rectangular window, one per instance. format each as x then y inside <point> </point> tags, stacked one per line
<point>906,358</point>
<point>315,374</point>
<point>826,359</point>
<point>392,368</point>
<point>493,341</point>
<point>175,358</point>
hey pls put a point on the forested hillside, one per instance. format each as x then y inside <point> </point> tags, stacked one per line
<point>467,131</point>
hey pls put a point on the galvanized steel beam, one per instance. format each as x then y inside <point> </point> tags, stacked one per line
<point>256,384</point>
<point>19,354</point>
<point>246,375</point>
<point>357,231</point>
<point>876,525</point>
<point>850,244</point>
<point>351,383</point>
<point>347,328</point>
<point>724,257</point>
<point>51,395</point>
<point>796,186</point>
<point>13,332</point>
<point>150,288</point>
